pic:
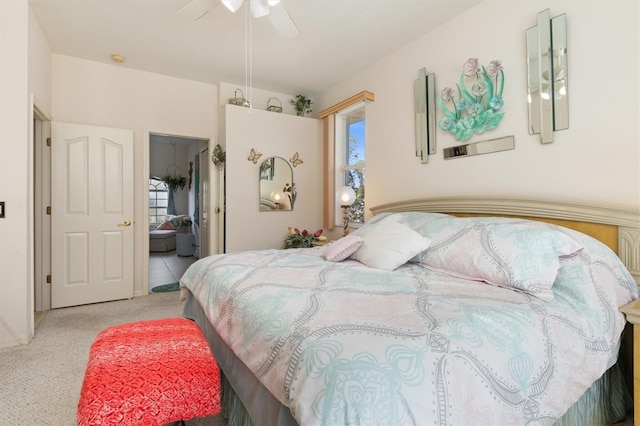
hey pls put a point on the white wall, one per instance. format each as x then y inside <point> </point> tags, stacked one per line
<point>88,92</point>
<point>596,160</point>
<point>16,257</point>
<point>277,135</point>
<point>39,65</point>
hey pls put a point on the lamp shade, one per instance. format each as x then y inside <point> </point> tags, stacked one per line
<point>232,5</point>
<point>276,196</point>
<point>345,196</point>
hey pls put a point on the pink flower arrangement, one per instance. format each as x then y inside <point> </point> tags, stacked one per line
<point>299,239</point>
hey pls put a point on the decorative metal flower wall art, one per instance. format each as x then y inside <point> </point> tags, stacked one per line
<point>476,109</point>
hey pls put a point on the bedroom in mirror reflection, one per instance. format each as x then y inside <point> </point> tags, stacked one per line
<point>277,188</point>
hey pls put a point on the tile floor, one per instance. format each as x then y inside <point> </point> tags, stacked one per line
<point>167,268</point>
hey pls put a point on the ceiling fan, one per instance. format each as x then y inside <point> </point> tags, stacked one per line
<point>278,15</point>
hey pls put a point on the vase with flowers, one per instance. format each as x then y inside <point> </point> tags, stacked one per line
<point>301,239</point>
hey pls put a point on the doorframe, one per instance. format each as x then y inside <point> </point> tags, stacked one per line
<point>143,192</point>
<point>40,223</point>
<point>203,157</point>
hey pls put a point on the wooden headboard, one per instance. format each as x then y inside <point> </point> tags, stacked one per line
<point>617,227</point>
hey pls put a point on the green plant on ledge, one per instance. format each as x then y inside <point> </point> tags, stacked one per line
<point>175,182</point>
<point>303,105</point>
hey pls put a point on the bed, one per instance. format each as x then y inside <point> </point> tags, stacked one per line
<point>433,318</point>
<point>162,240</point>
<point>162,236</point>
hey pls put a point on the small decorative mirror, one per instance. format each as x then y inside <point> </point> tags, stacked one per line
<point>425,116</point>
<point>277,189</point>
<point>547,76</point>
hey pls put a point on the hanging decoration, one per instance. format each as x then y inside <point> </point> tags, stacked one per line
<point>219,156</point>
<point>173,180</point>
<point>477,109</point>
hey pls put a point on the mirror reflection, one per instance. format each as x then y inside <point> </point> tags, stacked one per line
<point>425,115</point>
<point>545,72</point>
<point>547,76</point>
<point>277,189</point>
<point>560,95</point>
<point>533,81</point>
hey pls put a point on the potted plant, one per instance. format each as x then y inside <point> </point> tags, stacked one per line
<point>175,182</point>
<point>302,104</point>
<point>219,156</point>
<point>183,226</point>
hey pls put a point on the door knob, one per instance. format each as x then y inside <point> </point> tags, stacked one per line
<point>125,223</point>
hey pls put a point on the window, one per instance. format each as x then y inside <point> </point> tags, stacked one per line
<point>350,158</point>
<point>158,200</point>
<point>339,123</point>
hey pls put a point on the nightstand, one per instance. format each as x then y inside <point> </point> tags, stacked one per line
<point>185,244</point>
<point>632,311</point>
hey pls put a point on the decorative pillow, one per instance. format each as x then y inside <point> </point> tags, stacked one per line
<point>521,256</point>
<point>167,225</point>
<point>341,249</point>
<point>388,244</point>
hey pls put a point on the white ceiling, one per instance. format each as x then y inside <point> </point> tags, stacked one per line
<point>337,37</point>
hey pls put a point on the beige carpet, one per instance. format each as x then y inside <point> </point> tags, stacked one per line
<point>40,382</point>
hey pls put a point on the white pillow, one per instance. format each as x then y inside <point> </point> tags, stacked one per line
<point>341,249</point>
<point>388,244</point>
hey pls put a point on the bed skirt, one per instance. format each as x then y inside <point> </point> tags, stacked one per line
<point>247,403</point>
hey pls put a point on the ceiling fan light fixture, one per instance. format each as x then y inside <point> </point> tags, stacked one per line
<point>259,8</point>
<point>232,5</point>
<point>118,59</point>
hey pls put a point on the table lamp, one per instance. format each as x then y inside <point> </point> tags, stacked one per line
<point>276,197</point>
<point>345,196</point>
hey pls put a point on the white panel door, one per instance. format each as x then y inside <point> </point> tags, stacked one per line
<point>91,214</point>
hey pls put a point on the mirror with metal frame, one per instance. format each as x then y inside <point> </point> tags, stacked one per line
<point>477,148</point>
<point>560,75</point>
<point>425,115</point>
<point>277,189</point>
<point>547,95</point>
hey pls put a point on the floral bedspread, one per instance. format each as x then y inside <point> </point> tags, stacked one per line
<point>340,343</point>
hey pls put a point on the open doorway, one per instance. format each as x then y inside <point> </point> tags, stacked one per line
<point>41,132</point>
<point>175,231</point>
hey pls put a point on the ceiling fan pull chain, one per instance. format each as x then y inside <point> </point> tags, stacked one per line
<point>251,63</point>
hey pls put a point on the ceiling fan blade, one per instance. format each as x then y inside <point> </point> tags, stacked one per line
<point>196,9</point>
<point>282,22</point>
<point>259,8</point>
<point>232,5</point>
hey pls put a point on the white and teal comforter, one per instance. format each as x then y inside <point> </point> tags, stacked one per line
<point>341,343</point>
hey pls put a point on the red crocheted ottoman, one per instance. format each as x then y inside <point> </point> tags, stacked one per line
<point>149,373</point>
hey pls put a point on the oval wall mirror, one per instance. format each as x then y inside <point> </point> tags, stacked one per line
<point>277,189</point>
